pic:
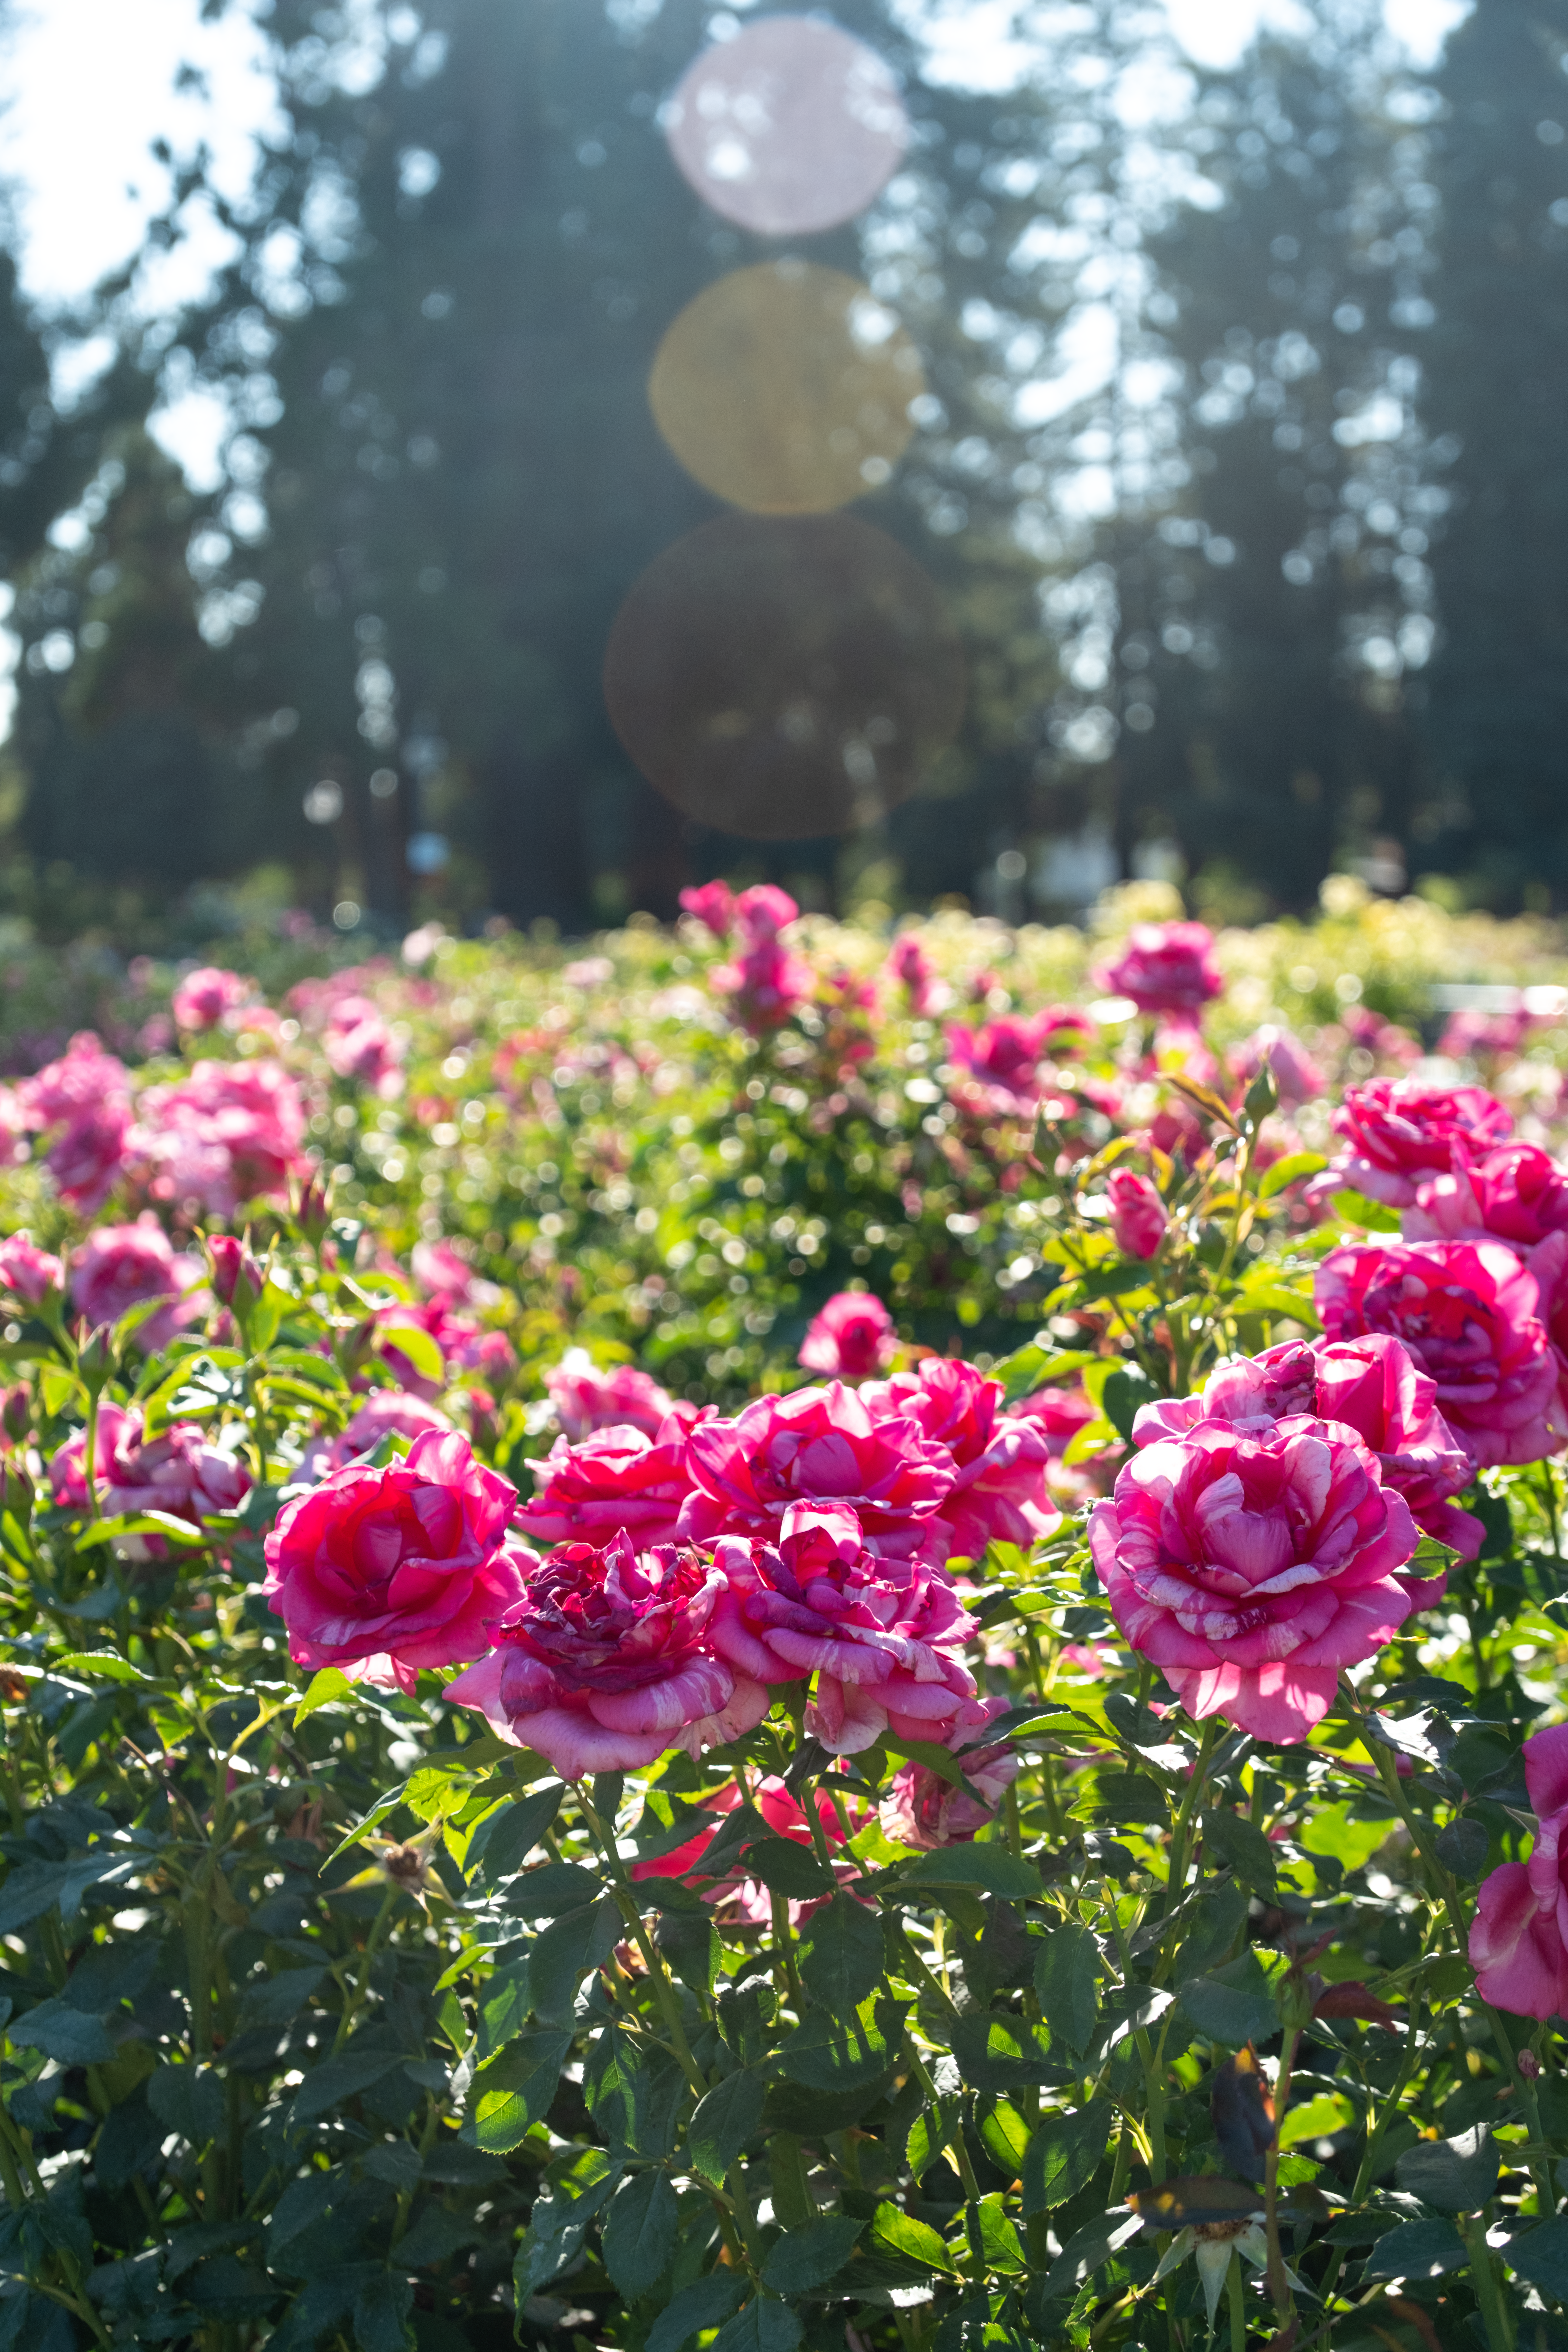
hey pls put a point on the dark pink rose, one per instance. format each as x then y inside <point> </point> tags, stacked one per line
<point>442,1272</point>
<point>586,1398</point>
<point>766,982</point>
<point>1519,1936</point>
<point>920,1808</point>
<point>1251,1568</point>
<point>1060,1413</point>
<point>604,1662</point>
<point>383,1571</point>
<point>1165,968</point>
<point>1516,1191</point>
<point>1002,1463</point>
<point>1370,1384</point>
<point>231,1262</point>
<point>908,964</point>
<point>1138,1216</point>
<point>1470,1314</point>
<point>226,1133</point>
<point>358,1044</point>
<point>119,1267</point>
<point>1295,1074</point>
<point>851,1337</point>
<point>84,1101</point>
<point>204,997</point>
<point>786,1817</point>
<point>178,1471</point>
<point>817,1446</point>
<point>28,1272</point>
<point>385,1413</point>
<point>1003,1059</point>
<point>619,1479</point>
<point>117,1425</point>
<point>1398,1134</point>
<point>713,905</point>
<point>882,1636</point>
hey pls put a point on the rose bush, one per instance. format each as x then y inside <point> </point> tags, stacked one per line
<point>766,1621</point>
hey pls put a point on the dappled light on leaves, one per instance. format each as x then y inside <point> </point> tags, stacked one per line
<point>778,680</point>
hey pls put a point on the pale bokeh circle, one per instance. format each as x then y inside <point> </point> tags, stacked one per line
<point>792,126</point>
<point>780,679</point>
<point>786,388</point>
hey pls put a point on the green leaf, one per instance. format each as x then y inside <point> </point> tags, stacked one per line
<point>632,2095</point>
<point>189,2100</point>
<point>330,1687</point>
<point>762,2326</point>
<point>1065,2153</point>
<point>564,1953</point>
<point>991,1869</point>
<point>559,2221</point>
<point>997,2053</point>
<point>1462,1847</point>
<point>1233,1842</point>
<point>1034,1365</point>
<point>703,2304</point>
<point>689,1942</point>
<point>1127,1390</point>
<point>1218,1918</point>
<point>1084,2253</point>
<point>101,1665</point>
<point>335,2082</point>
<point>808,2257</point>
<point>1235,2006</point>
<point>1005,2136</point>
<point>640,2233</point>
<point>1289,1170</point>
<point>834,2050</point>
<point>1423,2250</point>
<point>1540,2259</point>
<point>71,2036</point>
<point>1455,2175</point>
<point>899,2232</point>
<point>276,1998</point>
<point>843,1962</point>
<point>1353,1208</point>
<point>999,2236</point>
<point>411,1339</point>
<point>514,2089</point>
<point>552,1889</point>
<point>932,2133</point>
<point>786,1868</point>
<point>381,2309</point>
<point>503,1840</point>
<point>724,2121</point>
<point>506,2004</point>
<point>1067,1979</point>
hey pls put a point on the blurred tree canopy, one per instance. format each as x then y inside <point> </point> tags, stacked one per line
<point>1236,467</point>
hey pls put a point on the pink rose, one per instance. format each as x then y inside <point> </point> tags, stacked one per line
<point>1295,1074</point>
<point>177,1471</point>
<point>231,1263</point>
<point>1251,1569</point>
<point>1060,1413</point>
<point>920,1808</point>
<point>358,1044</point>
<point>1399,1133</point>
<point>850,1337</point>
<point>1138,1216</point>
<point>67,1469</point>
<point>1165,968</point>
<point>820,1445</point>
<point>204,997</point>
<point>766,982</point>
<point>85,1098</point>
<point>1516,1191</point>
<point>586,1398</point>
<point>1004,1057</point>
<point>118,1266</point>
<point>28,1272</point>
<point>713,905</point>
<point>442,1272</point>
<point>385,1413</point>
<point>619,1479</point>
<point>909,965</point>
<point>1519,1936</point>
<point>1370,1384</point>
<point>224,1133</point>
<point>383,1571</point>
<point>786,1817</point>
<point>603,1663</point>
<point>1002,1463</point>
<point>882,1636</point>
<point>1468,1035</point>
<point>1469,1314</point>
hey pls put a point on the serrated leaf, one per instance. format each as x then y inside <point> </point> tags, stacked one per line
<point>567,1950</point>
<point>724,2121</point>
<point>843,1963</point>
<point>102,1665</point>
<point>515,2089</point>
<point>1418,2249</point>
<point>1067,1979</point>
<point>503,1840</point>
<point>1064,2153</point>
<point>1235,2006</point>
<point>335,2081</point>
<point>1456,2175</point>
<point>558,2222</point>
<point>1462,1847</point>
<point>809,2256</point>
<point>381,2313</point>
<point>1289,1170</point>
<point>640,2233</point>
<point>702,2305</point>
<point>73,2037</point>
<point>1235,1844</point>
<point>998,2053</point>
<point>189,2100</point>
<point>787,1868</point>
<point>1540,2259</point>
<point>989,1869</point>
<point>897,2232</point>
<point>762,2327</point>
<point>689,1942</point>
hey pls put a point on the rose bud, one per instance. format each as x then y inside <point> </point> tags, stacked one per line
<point>1138,1216</point>
<point>17,1411</point>
<point>232,1265</point>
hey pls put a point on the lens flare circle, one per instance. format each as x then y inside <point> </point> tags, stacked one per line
<point>782,677</point>
<point>790,126</point>
<point>785,389</point>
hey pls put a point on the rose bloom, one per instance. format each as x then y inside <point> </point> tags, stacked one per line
<point>1165,968</point>
<point>204,997</point>
<point>226,1133</point>
<point>383,1571</point>
<point>908,964</point>
<point>1251,1568</point>
<point>358,1044</point>
<point>766,982</point>
<point>1516,1193</point>
<point>178,1471</point>
<point>851,1337</point>
<point>67,1470</point>
<point>1295,1074</point>
<point>28,1272</point>
<point>442,1272</point>
<point>1138,1216</point>
<point>618,1478</point>
<point>920,1808</point>
<point>882,1636</point>
<point>1003,1059</point>
<point>713,905</point>
<point>1002,1463</point>
<point>85,1097</point>
<point>118,1266</point>
<point>1469,1314</point>
<point>603,1662</point>
<point>820,1445</point>
<point>1399,1133</point>
<point>1519,1936</point>
<point>1372,1385</point>
<point>385,1413</point>
<point>586,1398</point>
<point>786,1817</point>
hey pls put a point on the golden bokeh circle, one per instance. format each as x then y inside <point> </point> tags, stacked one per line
<point>786,388</point>
<point>785,677</point>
